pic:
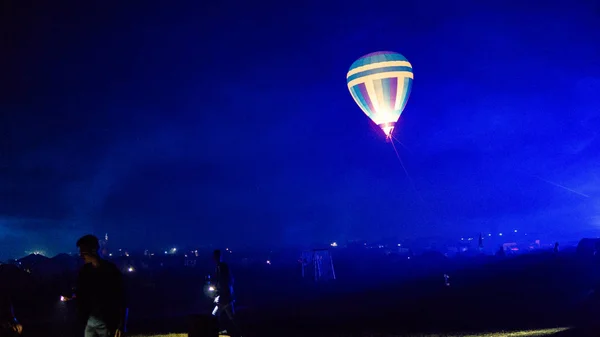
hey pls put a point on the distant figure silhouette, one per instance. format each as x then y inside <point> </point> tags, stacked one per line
<point>556,247</point>
<point>225,296</point>
<point>9,326</point>
<point>501,251</point>
<point>100,293</point>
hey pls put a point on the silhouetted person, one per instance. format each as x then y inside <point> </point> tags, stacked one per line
<point>100,293</point>
<point>224,287</point>
<point>556,248</point>
<point>501,252</point>
<point>9,326</point>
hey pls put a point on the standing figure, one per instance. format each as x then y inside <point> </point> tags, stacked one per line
<point>225,298</point>
<point>100,293</point>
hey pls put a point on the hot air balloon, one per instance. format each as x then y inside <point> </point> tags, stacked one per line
<point>380,84</point>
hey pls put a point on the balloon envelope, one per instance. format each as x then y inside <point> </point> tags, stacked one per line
<point>380,84</point>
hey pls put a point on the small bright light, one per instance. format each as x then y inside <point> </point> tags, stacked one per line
<point>211,288</point>
<point>62,299</point>
<point>214,312</point>
<point>217,299</point>
<point>515,230</point>
<point>334,244</point>
<point>399,245</point>
<point>388,131</point>
<point>166,252</point>
<point>130,269</point>
<point>489,234</point>
<point>462,239</point>
<point>268,261</point>
<point>500,234</point>
<point>408,257</point>
<point>109,254</point>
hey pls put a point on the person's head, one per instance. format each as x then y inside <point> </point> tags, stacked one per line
<point>88,248</point>
<point>217,256</point>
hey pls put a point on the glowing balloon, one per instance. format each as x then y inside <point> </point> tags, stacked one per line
<point>380,84</point>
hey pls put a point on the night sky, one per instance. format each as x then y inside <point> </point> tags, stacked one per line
<point>231,123</point>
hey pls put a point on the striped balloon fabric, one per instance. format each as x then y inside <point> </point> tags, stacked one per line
<point>380,84</point>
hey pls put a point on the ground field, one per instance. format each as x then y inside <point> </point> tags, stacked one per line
<point>527,333</point>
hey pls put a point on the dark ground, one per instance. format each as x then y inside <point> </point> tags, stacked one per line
<point>378,296</point>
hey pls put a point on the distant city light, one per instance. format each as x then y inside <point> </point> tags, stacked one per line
<point>399,245</point>
<point>36,252</point>
<point>334,244</point>
<point>63,299</point>
<point>500,234</point>
<point>269,262</point>
<point>166,252</point>
<point>515,230</point>
<point>109,254</point>
<point>490,234</point>
<point>130,269</point>
<point>211,288</point>
<point>462,239</point>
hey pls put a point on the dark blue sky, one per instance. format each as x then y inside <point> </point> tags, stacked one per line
<point>231,123</point>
